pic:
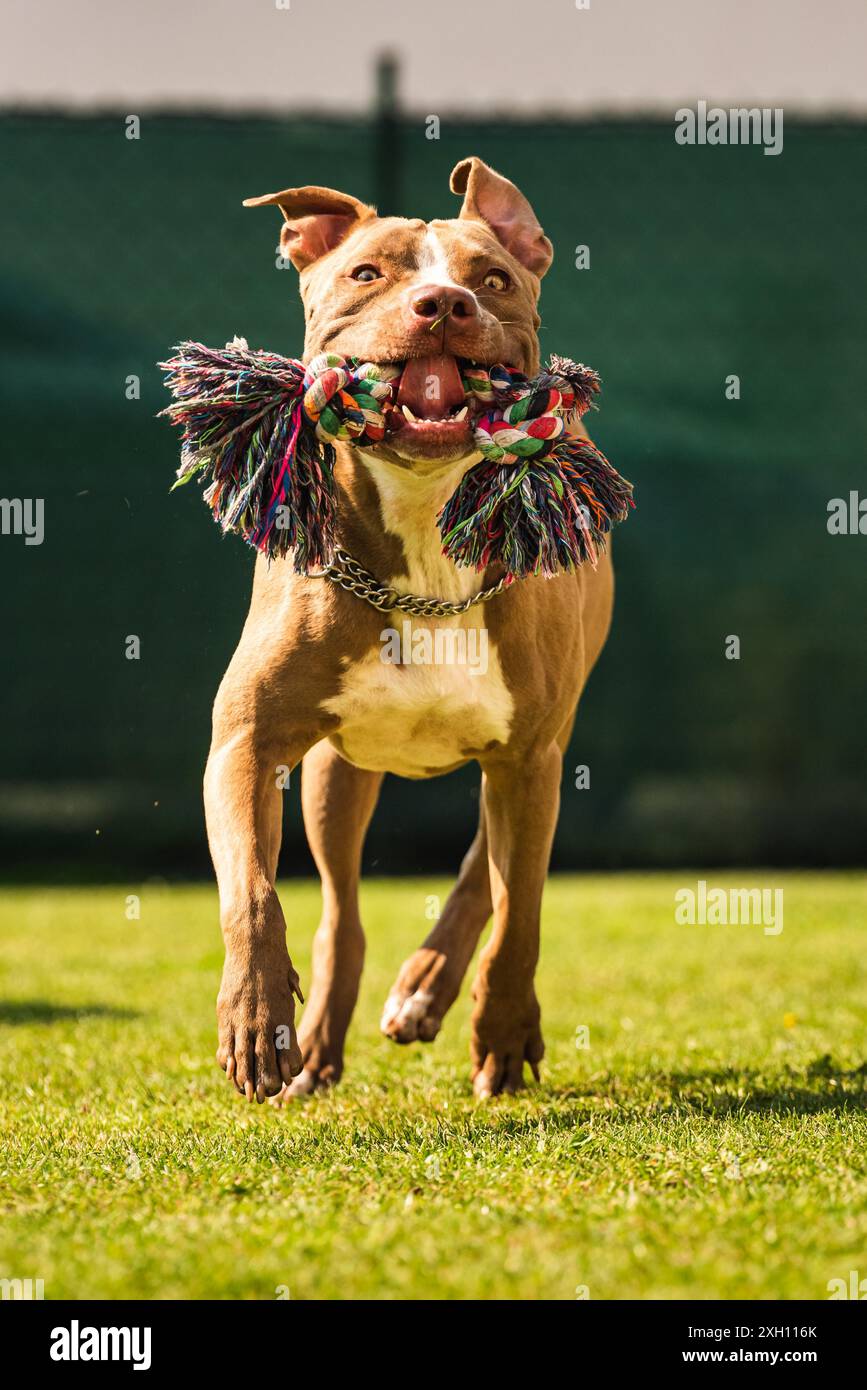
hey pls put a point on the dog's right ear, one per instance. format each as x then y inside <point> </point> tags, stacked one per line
<point>488,197</point>
<point>315,220</point>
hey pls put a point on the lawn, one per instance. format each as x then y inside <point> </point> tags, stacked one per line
<point>710,1142</point>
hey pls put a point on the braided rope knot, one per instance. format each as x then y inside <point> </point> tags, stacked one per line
<point>344,401</point>
<point>529,416</point>
<point>541,500</point>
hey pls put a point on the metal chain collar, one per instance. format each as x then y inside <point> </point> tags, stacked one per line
<point>352,576</point>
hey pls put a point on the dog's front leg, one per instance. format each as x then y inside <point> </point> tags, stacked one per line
<point>521,804</point>
<point>258,1048</point>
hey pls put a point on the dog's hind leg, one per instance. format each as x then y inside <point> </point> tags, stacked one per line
<point>429,981</point>
<point>338,801</point>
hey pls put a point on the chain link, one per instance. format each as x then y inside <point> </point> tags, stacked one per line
<point>350,575</point>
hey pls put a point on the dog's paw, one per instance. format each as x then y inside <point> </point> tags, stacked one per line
<point>258,1048</point>
<point>321,1069</point>
<point>506,1034</point>
<point>419,999</point>
<point>309,1080</point>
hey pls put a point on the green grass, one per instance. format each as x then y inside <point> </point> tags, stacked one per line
<point>710,1143</point>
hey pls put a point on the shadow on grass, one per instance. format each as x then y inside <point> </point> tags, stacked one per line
<point>821,1086</point>
<point>21,1011</point>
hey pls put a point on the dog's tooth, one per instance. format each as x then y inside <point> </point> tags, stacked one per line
<point>409,415</point>
<point>462,414</point>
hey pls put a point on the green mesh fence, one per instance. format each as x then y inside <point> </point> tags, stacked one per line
<point>704,262</point>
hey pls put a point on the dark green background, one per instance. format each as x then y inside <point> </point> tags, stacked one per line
<point>704,262</point>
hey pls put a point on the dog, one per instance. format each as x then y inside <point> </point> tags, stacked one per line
<point>307,683</point>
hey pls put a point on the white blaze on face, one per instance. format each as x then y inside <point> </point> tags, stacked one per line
<point>433,265</point>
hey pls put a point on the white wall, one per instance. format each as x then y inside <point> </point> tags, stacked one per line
<point>471,55</point>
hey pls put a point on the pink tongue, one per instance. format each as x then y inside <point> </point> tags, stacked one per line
<point>431,387</point>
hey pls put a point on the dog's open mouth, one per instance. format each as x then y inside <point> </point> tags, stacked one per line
<point>431,412</point>
<point>431,404</point>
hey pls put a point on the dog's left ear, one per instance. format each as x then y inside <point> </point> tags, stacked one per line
<point>490,198</point>
<point>315,220</point>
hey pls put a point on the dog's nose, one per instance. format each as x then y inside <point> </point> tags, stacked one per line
<point>432,303</point>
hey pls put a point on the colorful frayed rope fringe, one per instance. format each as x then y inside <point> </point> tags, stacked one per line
<point>260,429</point>
<point>541,501</point>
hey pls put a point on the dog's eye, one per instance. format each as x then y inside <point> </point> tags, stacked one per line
<point>365,274</point>
<point>496,280</point>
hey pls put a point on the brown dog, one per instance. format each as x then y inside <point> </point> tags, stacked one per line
<point>308,680</point>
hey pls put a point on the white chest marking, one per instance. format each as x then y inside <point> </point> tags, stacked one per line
<point>411,718</point>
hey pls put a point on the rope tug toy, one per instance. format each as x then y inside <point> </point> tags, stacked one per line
<point>260,429</point>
